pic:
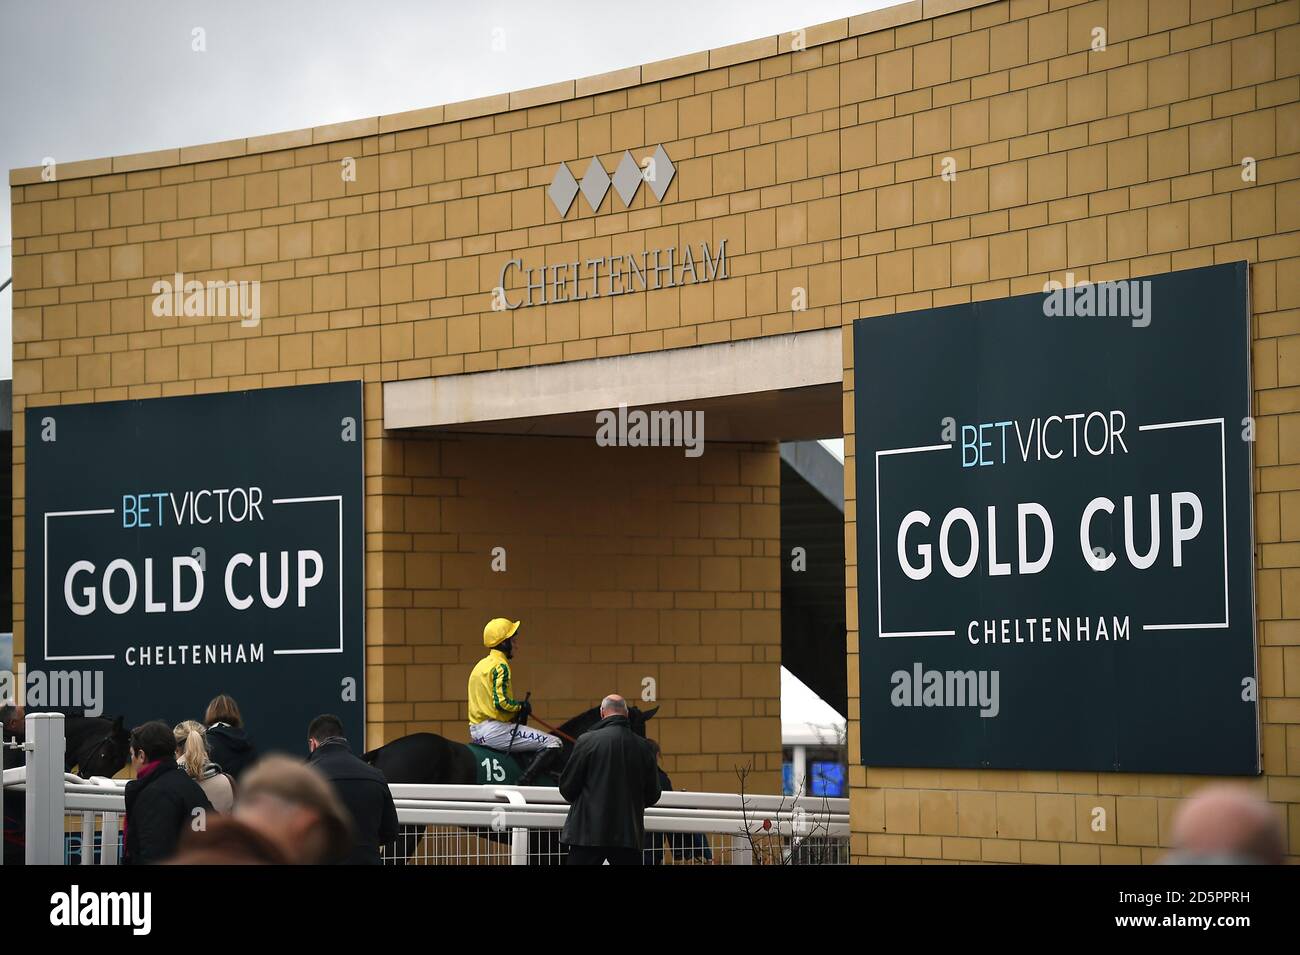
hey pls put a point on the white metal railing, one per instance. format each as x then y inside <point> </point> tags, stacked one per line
<point>706,827</point>
<point>447,824</point>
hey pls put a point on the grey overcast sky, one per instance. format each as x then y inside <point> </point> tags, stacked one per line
<point>82,79</point>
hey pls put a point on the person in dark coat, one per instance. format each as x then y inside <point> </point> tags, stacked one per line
<point>229,745</point>
<point>686,846</point>
<point>362,789</point>
<point>162,801</point>
<point>653,853</point>
<point>610,778</point>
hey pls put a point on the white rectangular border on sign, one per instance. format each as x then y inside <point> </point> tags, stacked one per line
<point>1168,425</point>
<point>880,613</point>
<point>338,499</point>
<point>45,560</point>
<point>45,563</point>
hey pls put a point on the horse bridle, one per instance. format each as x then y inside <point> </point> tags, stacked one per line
<point>93,749</point>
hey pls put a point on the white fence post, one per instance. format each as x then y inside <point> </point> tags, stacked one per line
<point>518,835</point>
<point>742,852</point>
<point>45,797</point>
<point>108,840</point>
<point>87,838</point>
<point>108,830</point>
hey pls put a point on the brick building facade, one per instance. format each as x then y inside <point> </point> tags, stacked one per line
<point>818,157</point>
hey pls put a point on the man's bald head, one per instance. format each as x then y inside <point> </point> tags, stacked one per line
<point>1228,824</point>
<point>613,705</point>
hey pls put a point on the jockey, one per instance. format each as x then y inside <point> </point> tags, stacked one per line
<point>492,710</point>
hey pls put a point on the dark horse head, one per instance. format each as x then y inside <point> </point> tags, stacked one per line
<point>584,721</point>
<point>96,745</point>
<point>93,745</point>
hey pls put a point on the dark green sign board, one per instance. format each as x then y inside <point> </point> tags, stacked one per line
<point>1054,530</point>
<point>190,546</point>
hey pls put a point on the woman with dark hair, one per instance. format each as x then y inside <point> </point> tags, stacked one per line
<point>162,800</point>
<point>228,744</point>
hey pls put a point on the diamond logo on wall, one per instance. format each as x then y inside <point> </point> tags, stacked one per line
<point>627,178</point>
<point>661,173</point>
<point>658,175</point>
<point>562,190</point>
<point>595,184</point>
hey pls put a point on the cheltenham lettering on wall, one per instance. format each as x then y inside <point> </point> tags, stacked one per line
<point>612,275</point>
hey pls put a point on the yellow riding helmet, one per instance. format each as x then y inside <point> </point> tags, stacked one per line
<point>499,630</point>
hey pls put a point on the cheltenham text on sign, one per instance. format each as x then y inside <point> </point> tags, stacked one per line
<point>613,275</point>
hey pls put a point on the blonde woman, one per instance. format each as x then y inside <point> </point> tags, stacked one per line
<point>192,756</point>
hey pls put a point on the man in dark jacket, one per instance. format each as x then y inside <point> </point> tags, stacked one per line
<point>162,801</point>
<point>610,778</point>
<point>361,787</point>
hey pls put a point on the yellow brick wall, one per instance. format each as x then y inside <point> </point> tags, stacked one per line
<point>389,276</point>
<point>624,564</point>
<point>392,273</point>
<point>1108,164</point>
<point>817,157</point>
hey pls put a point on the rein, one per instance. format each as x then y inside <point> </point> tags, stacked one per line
<point>554,729</point>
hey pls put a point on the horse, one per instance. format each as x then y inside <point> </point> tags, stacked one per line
<point>93,746</point>
<point>427,758</point>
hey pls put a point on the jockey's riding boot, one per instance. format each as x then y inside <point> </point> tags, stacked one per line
<point>541,763</point>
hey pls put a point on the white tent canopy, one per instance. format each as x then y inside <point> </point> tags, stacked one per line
<point>807,719</point>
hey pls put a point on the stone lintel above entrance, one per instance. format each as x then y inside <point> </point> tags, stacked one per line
<point>789,382</point>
